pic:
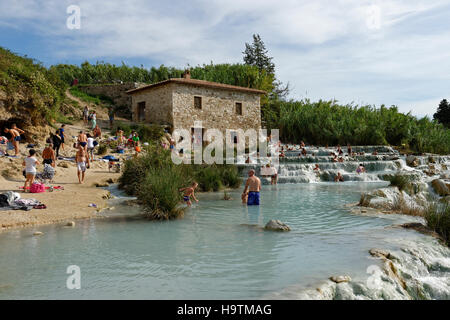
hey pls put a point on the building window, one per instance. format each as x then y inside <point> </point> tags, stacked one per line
<point>239,108</point>
<point>141,111</point>
<point>197,102</point>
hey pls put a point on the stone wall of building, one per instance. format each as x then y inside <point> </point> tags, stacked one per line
<point>218,108</point>
<point>116,92</point>
<point>158,104</point>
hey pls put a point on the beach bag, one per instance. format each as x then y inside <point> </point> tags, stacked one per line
<point>37,188</point>
<point>137,148</point>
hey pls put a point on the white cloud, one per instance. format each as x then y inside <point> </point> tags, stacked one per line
<point>325,47</point>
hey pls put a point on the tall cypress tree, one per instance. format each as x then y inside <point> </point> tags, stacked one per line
<point>256,54</point>
<point>442,114</point>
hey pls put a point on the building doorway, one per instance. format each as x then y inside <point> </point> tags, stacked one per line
<point>141,111</point>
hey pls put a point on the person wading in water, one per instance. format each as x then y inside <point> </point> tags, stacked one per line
<point>253,186</point>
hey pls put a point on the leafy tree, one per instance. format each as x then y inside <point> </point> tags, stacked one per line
<point>443,113</point>
<point>256,54</point>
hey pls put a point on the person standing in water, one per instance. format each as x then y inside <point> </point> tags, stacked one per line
<point>253,186</point>
<point>188,192</point>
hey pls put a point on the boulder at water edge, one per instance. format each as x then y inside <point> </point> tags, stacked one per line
<point>340,279</point>
<point>277,225</point>
<point>412,161</point>
<point>440,187</point>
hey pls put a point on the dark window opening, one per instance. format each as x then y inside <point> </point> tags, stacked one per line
<point>239,108</point>
<point>198,102</point>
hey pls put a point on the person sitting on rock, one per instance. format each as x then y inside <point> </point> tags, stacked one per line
<point>339,178</point>
<point>304,152</point>
<point>360,169</point>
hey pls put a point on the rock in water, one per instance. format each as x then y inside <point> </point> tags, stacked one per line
<point>38,233</point>
<point>412,161</point>
<point>379,253</point>
<point>70,224</point>
<point>440,187</point>
<point>340,279</point>
<point>277,225</point>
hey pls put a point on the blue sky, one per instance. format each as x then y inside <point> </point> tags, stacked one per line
<point>362,51</point>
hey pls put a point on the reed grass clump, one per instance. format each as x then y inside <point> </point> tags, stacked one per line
<point>155,180</point>
<point>401,181</point>
<point>437,217</point>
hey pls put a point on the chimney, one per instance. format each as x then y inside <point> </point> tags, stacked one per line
<point>187,74</point>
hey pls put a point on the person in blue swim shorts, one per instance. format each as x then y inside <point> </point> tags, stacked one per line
<point>253,186</point>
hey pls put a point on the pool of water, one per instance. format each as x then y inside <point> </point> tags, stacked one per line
<point>217,251</point>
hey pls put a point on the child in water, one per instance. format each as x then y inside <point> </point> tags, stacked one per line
<point>188,193</point>
<point>244,198</point>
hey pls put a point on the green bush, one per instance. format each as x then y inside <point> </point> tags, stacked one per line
<point>146,132</point>
<point>155,180</point>
<point>437,217</point>
<point>102,149</point>
<point>159,193</point>
<point>136,169</point>
<point>402,182</point>
<point>209,178</point>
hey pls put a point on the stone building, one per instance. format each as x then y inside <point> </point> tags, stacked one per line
<point>179,102</point>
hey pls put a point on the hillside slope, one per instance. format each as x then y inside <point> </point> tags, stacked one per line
<point>31,96</point>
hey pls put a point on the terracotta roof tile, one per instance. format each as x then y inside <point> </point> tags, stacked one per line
<point>196,82</point>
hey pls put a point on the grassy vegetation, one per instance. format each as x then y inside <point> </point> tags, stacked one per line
<point>326,122</point>
<point>146,132</point>
<point>401,181</point>
<point>95,99</point>
<point>437,217</point>
<point>155,180</point>
<point>32,91</point>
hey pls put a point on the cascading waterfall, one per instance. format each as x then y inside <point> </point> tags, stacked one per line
<point>422,266</point>
<point>297,168</point>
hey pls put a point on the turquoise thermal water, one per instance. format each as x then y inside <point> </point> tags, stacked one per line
<point>215,252</point>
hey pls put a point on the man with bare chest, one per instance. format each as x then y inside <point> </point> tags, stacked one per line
<point>253,187</point>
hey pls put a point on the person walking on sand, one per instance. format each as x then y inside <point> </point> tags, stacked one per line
<point>111,117</point>
<point>80,159</point>
<point>62,135</point>
<point>30,164</point>
<point>253,186</point>
<point>188,193</point>
<point>93,120</point>
<point>15,137</point>
<point>56,141</point>
<point>49,155</point>
<point>85,115</point>
<point>90,147</point>
<point>82,140</point>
